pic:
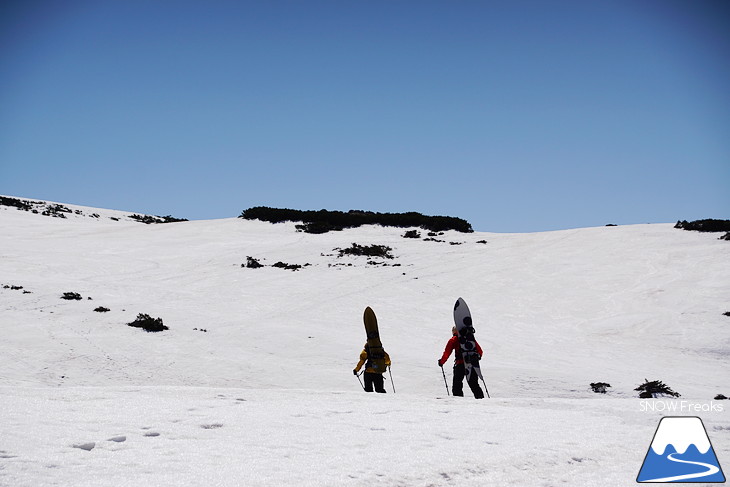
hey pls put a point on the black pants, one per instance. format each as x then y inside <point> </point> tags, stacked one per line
<point>373,379</point>
<point>458,386</point>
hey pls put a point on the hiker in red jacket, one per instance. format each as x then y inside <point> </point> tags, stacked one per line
<point>460,368</point>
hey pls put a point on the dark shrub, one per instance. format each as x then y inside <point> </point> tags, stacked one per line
<point>172,219</point>
<point>324,221</point>
<point>19,204</point>
<point>599,387</point>
<point>318,228</point>
<point>412,234</point>
<point>651,389</point>
<point>708,225</point>
<point>291,267</point>
<point>252,263</point>
<point>148,324</point>
<point>71,296</point>
<point>720,397</point>
<point>102,309</point>
<point>147,219</point>
<point>367,250</point>
<point>57,211</point>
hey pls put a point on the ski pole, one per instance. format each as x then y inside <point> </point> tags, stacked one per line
<point>485,388</point>
<point>358,379</point>
<point>445,383</point>
<point>391,379</point>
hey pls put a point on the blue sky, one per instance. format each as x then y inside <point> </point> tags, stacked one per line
<point>518,116</point>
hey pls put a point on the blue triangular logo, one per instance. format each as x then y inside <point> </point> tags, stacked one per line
<point>681,452</point>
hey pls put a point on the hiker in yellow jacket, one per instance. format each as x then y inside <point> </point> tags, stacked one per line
<point>373,377</point>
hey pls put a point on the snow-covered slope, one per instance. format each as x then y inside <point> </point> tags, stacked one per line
<point>553,311</point>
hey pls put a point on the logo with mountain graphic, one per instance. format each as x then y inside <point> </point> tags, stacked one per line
<point>681,452</point>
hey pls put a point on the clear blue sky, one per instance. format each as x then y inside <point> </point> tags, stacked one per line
<point>518,116</point>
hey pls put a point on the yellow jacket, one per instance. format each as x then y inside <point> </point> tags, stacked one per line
<point>364,358</point>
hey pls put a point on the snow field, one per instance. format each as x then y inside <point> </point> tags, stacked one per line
<point>91,436</point>
<point>266,396</point>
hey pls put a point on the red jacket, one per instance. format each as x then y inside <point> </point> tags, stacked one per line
<point>453,344</point>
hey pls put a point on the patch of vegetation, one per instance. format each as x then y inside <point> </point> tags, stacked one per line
<point>367,250</point>
<point>481,241</point>
<point>323,221</point>
<point>720,397</point>
<point>252,263</point>
<point>24,205</point>
<point>290,267</point>
<point>71,296</point>
<point>649,390</point>
<point>148,324</point>
<point>41,207</point>
<point>599,387</point>
<point>55,210</point>
<point>318,228</point>
<point>381,264</point>
<point>708,225</point>
<point>102,309</point>
<point>148,219</point>
<point>412,234</point>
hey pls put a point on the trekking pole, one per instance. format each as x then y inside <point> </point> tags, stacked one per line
<point>391,379</point>
<point>485,388</point>
<point>445,383</point>
<point>358,379</point>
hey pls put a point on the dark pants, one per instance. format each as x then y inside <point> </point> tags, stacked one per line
<point>458,386</point>
<point>373,379</point>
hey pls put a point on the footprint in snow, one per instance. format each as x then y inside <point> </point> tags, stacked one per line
<point>149,433</point>
<point>85,446</point>
<point>578,460</point>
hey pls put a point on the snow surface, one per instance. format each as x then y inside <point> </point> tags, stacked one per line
<point>265,394</point>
